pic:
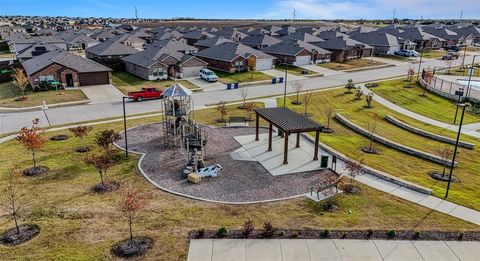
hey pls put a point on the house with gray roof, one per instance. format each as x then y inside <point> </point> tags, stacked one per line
<point>180,45</point>
<point>78,41</point>
<point>260,41</point>
<point>235,57</point>
<point>110,53</point>
<point>211,42</point>
<point>290,52</point>
<point>35,50</point>
<point>68,69</point>
<point>196,35</point>
<point>345,48</point>
<point>383,43</point>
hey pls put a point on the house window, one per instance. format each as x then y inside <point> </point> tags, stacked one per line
<point>239,63</point>
<point>157,72</point>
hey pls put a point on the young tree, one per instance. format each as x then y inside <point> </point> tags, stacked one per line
<point>328,113</point>
<point>328,188</point>
<point>298,87</point>
<point>244,94</point>
<point>369,99</point>
<point>248,228</point>
<point>358,93</point>
<point>20,80</point>
<point>31,139</point>
<point>132,204</point>
<point>102,163</point>
<point>350,86</point>
<point>251,106</point>
<point>448,64</point>
<point>222,109</point>
<point>252,64</point>
<point>410,74</point>
<point>371,133</point>
<point>81,132</point>
<point>105,140</point>
<point>307,97</point>
<point>13,197</point>
<point>353,169</point>
<point>445,152</point>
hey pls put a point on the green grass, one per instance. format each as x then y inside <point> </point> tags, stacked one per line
<point>351,64</point>
<point>79,225</point>
<point>9,92</point>
<point>389,160</point>
<point>212,117</point>
<point>292,69</point>
<point>395,57</point>
<point>241,77</point>
<point>127,82</point>
<point>431,105</point>
<point>432,54</point>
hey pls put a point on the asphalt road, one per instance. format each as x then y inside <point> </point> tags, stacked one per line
<point>62,115</point>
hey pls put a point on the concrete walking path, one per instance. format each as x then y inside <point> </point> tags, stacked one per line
<point>329,249</point>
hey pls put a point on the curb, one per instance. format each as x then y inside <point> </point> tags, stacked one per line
<point>35,108</point>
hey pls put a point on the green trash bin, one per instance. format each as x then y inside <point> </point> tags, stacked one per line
<point>324,161</point>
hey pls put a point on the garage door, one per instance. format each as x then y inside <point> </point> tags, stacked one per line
<point>95,78</point>
<point>264,64</point>
<point>192,71</point>
<point>303,60</point>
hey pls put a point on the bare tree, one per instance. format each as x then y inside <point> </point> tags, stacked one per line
<point>298,87</point>
<point>328,111</point>
<point>358,93</point>
<point>222,109</point>
<point>307,97</point>
<point>445,153</point>
<point>369,99</point>
<point>244,94</point>
<point>328,187</point>
<point>371,127</point>
<point>354,169</point>
<point>20,80</point>
<point>81,132</point>
<point>410,74</point>
<point>250,107</point>
<point>13,197</point>
<point>349,86</point>
<point>102,163</point>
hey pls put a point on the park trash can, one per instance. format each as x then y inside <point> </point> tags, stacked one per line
<point>235,85</point>
<point>229,86</point>
<point>274,80</point>
<point>324,161</point>
<point>280,80</point>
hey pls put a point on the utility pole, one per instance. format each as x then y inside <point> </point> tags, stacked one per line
<point>461,15</point>
<point>393,17</point>
<point>136,13</point>
<point>294,14</point>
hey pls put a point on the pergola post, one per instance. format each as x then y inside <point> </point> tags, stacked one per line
<point>270,137</point>
<point>257,120</point>
<point>315,153</point>
<point>285,150</point>
<point>298,140</point>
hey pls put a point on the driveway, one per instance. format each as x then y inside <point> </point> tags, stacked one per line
<point>277,74</point>
<point>206,86</point>
<point>321,70</point>
<point>102,93</point>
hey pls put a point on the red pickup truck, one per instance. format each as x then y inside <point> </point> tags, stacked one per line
<point>146,93</point>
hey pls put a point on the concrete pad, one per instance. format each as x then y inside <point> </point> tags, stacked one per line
<point>366,178</point>
<point>397,250</point>
<point>313,196</point>
<point>206,85</point>
<point>264,249</point>
<point>465,250</point>
<point>102,93</point>
<point>323,250</point>
<point>446,206</point>
<point>357,250</point>
<point>383,185</point>
<point>466,214</point>
<point>229,250</point>
<point>294,250</point>
<point>277,74</point>
<point>435,251</point>
<point>409,194</point>
<point>200,250</point>
<point>430,202</point>
<point>321,70</point>
<point>242,154</point>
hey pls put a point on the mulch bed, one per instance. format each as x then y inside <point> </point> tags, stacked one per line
<point>328,130</point>
<point>109,187</point>
<point>132,248</point>
<point>35,171</point>
<point>82,149</point>
<point>436,175</point>
<point>27,232</point>
<point>370,151</point>
<point>345,234</point>
<point>59,137</point>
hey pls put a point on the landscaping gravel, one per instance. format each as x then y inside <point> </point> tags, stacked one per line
<point>239,181</point>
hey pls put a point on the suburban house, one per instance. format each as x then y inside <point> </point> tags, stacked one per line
<point>211,42</point>
<point>196,35</point>
<point>177,45</point>
<point>465,30</point>
<point>18,43</point>
<point>231,34</point>
<point>383,43</point>
<point>79,41</point>
<point>422,38</point>
<point>35,50</point>
<point>290,53</point>
<point>157,63</point>
<point>450,36</point>
<point>345,48</point>
<point>68,69</point>
<point>302,36</point>
<point>110,53</point>
<point>260,41</point>
<point>235,57</point>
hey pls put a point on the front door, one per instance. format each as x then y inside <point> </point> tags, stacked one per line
<point>69,79</point>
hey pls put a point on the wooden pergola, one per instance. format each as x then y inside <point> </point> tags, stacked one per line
<point>287,121</point>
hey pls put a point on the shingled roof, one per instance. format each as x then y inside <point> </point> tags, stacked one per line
<point>111,47</point>
<point>229,51</point>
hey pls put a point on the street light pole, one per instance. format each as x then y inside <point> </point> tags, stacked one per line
<point>472,68</point>
<point>464,54</point>
<point>456,147</point>
<point>285,87</point>
<point>420,63</point>
<point>125,126</point>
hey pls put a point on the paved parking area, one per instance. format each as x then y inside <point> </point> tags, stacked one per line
<point>102,93</point>
<point>329,249</point>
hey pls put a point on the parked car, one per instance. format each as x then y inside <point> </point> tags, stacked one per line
<point>454,48</point>
<point>450,56</point>
<point>208,75</point>
<point>407,53</point>
<point>146,93</point>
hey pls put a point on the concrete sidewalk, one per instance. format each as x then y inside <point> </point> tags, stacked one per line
<point>329,249</point>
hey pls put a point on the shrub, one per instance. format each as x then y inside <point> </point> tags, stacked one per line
<point>391,233</point>
<point>281,234</point>
<point>268,230</point>
<point>370,233</point>
<point>416,235</point>
<point>248,228</point>
<point>326,233</point>
<point>460,237</point>
<point>222,232</point>
<point>201,233</point>
<point>344,235</point>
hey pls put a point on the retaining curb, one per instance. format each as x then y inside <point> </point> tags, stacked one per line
<point>34,108</point>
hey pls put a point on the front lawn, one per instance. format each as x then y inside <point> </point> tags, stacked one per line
<point>431,105</point>
<point>395,57</point>
<point>127,82</point>
<point>241,77</point>
<point>392,161</point>
<point>77,224</point>
<point>432,54</point>
<point>9,92</point>
<point>351,64</point>
<point>293,69</point>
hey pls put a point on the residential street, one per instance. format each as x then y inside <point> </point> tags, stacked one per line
<point>13,121</point>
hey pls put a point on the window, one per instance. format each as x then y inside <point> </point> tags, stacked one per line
<point>158,72</point>
<point>238,63</point>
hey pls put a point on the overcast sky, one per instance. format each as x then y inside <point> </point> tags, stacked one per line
<point>263,9</point>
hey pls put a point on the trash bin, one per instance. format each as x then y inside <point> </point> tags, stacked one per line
<point>229,86</point>
<point>274,80</point>
<point>235,85</point>
<point>324,161</point>
<point>280,80</point>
